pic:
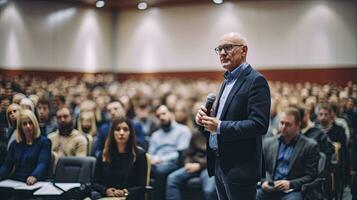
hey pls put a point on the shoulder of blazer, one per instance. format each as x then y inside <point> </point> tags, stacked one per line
<point>308,142</point>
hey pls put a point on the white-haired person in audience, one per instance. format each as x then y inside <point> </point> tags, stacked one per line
<point>122,166</point>
<point>26,103</point>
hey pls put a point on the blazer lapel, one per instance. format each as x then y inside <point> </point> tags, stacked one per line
<point>296,152</point>
<point>237,85</point>
<point>274,152</point>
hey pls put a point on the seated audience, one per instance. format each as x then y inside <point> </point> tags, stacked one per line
<point>67,141</point>
<point>115,109</point>
<point>164,147</point>
<point>309,130</point>
<point>12,114</point>
<point>87,126</point>
<point>122,166</point>
<point>195,165</point>
<point>47,123</point>
<point>291,160</point>
<point>29,155</point>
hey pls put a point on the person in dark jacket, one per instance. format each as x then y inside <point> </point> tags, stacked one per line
<point>311,131</point>
<point>122,166</point>
<point>291,160</point>
<point>29,155</point>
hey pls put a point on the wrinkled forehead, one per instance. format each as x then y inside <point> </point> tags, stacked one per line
<point>229,39</point>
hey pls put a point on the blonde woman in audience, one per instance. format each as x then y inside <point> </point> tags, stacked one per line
<point>29,155</point>
<point>87,126</point>
<point>12,114</point>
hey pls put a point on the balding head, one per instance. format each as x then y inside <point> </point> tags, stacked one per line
<point>234,38</point>
<point>232,49</point>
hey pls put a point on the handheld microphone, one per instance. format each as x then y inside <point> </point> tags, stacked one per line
<point>211,97</point>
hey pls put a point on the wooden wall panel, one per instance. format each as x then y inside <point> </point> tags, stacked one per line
<point>339,76</point>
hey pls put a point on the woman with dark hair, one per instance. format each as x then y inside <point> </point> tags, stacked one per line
<point>121,168</point>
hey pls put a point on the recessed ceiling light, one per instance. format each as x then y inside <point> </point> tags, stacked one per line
<point>217,1</point>
<point>142,5</point>
<point>99,4</point>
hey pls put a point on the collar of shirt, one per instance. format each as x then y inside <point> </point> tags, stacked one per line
<point>292,142</point>
<point>230,76</point>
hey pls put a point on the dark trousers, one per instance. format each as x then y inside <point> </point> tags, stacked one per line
<point>160,173</point>
<point>227,190</point>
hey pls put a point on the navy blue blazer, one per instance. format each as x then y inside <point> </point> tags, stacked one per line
<point>244,120</point>
<point>37,162</point>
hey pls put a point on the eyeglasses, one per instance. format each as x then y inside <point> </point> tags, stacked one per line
<point>227,48</point>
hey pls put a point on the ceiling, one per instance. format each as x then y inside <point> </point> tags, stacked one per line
<point>129,4</point>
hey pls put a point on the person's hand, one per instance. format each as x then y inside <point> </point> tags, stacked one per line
<point>352,172</point>
<point>200,113</point>
<point>154,161</point>
<point>210,123</point>
<point>282,185</point>
<point>192,167</point>
<point>119,193</point>
<point>110,192</point>
<point>31,180</point>
<point>266,187</point>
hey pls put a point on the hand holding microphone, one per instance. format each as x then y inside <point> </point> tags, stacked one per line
<point>203,115</point>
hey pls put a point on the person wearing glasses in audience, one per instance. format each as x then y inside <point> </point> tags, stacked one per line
<point>122,166</point>
<point>29,155</point>
<point>237,123</point>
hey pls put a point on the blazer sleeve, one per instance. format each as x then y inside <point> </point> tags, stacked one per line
<point>310,168</point>
<point>9,162</point>
<point>44,159</point>
<point>258,110</point>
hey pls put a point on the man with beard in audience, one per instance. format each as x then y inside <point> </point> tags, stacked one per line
<point>338,137</point>
<point>67,141</point>
<point>309,130</point>
<point>165,146</point>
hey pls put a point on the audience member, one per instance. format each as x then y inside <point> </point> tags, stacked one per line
<point>67,141</point>
<point>291,160</point>
<point>115,109</point>
<point>165,146</point>
<point>121,168</point>
<point>47,122</point>
<point>12,114</point>
<point>30,154</point>
<point>87,126</point>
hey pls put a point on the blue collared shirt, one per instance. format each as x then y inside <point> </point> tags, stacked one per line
<point>284,157</point>
<point>230,80</point>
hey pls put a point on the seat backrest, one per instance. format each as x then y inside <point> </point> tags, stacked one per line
<point>322,163</point>
<point>75,170</point>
